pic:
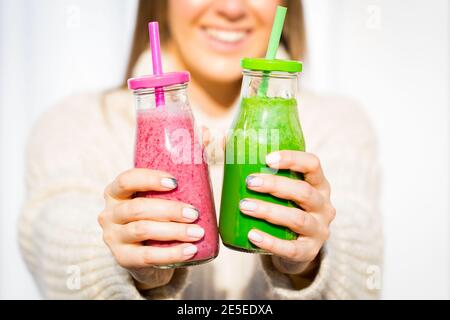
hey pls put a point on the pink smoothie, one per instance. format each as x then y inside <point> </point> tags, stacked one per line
<point>167,142</point>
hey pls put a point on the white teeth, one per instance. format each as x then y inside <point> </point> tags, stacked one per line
<point>226,36</point>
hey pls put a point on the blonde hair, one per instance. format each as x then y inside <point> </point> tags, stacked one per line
<point>293,37</point>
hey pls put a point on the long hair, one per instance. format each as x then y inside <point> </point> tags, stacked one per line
<point>293,37</point>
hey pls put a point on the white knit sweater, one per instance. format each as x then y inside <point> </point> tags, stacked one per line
<point>78,147</point>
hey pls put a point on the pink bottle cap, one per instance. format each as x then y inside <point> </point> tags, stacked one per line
<point>158,81</point>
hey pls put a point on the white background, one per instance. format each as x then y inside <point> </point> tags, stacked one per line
<point>391,55</point>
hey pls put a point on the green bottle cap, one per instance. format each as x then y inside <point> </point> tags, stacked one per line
<point>261,64</point>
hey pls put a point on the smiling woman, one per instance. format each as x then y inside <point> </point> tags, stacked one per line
<point>90,182</point>
<point>217,38</point>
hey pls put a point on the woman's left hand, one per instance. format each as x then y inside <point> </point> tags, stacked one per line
<point>311,220</point>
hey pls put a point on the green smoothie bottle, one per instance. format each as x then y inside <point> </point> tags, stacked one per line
<point>267,121</point>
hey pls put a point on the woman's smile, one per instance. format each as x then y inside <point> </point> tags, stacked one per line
<point>211,37</point>
<point>226,40</point>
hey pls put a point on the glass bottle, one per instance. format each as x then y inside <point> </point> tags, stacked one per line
<point>166,140</point>
<point>266,122</point>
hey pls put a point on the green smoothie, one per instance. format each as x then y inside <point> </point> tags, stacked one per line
<point>263,125</point>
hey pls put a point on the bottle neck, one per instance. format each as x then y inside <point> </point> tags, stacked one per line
<point>145,99</point>
<point>281,85</point>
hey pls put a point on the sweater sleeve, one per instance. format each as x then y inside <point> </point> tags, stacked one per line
<point>351,260</point>
<point>70,158</point>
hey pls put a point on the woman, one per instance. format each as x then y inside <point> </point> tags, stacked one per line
<point>86,144</point>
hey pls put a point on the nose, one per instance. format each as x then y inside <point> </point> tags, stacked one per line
<point>231,9</point>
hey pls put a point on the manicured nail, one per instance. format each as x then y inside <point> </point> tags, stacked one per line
<point>189,251</point>
<point>254,181</point>
<point>248,205</point>
<point>170,183</point>
<point>255,236</point>
<point>273,158</point>
<point>190,213</point>
<point>195,232</point>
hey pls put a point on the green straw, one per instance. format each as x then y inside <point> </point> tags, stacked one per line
<point>274,42</point>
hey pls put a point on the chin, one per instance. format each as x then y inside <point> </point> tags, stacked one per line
<point>218,70</point>
<point>223,76</point>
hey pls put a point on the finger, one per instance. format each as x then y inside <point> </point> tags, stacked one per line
<point>139,231</point>
<point>294,250</point>
<point>153,209</point>
<point>306,163</point>
<point>298,191</point>
<point>131,256</point>
<point>295,219</point>
<point>139,179</point>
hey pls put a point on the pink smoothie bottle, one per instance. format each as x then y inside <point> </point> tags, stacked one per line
<point>167,140</point>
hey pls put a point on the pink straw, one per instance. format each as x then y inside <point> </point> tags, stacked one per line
<point>155,47</point>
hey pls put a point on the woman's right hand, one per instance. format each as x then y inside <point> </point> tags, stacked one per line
<point>128,221</point>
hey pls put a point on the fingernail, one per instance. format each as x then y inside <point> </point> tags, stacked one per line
<point>254,181</point>
<point>273,158</point>
<point>189,251</point>
<point>170,183</point>
<point>195,232</point>
<point>190,213</point>
<point>248,205</point>
<point>255,236</point>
